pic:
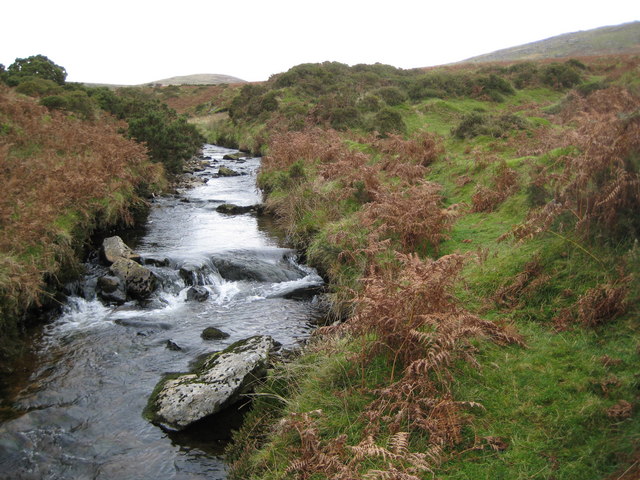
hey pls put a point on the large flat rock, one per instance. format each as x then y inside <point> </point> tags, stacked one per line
<point>182,399</point>
<point>113,248</point>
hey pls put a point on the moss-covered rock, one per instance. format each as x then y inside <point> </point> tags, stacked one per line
<point>184,398</point>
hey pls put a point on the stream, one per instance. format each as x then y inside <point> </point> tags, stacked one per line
<point>79,413</point>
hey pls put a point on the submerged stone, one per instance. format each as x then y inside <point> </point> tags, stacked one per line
<point>213,333</point>
<point>171,345</point>
<point>182,399</point>
<point>198,294</point>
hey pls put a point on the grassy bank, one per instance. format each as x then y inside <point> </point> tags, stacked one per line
<point>63,177</point>
<point>483,253</point>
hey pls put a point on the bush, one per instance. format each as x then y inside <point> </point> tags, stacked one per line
<point>495,86</point>
<point>474,124</point>
<point>370,103</point>
<point>388,121</point>
<point>54,102</point>
<point>524,74</point>
<point>169,138</point>
<point>37,87</point>
<point>75,101</point>
<point>391,95</point>
<point>561,75</point>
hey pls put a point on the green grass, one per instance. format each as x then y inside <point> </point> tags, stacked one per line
<point>547,402</point>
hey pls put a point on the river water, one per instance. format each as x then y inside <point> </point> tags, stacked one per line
<point>79,415</point>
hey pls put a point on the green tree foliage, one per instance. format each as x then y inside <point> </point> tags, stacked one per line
<point>168,136</point>
<point>252,101</point>
<point>170,140</point>
<point>37,66</point>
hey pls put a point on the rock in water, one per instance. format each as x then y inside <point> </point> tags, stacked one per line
<point>213,333</point>
<point>227,172</point>
<point>198,294</point>
<point>139,281</point>
<point>180,400</point>
<point>231,209</point>
<point>114,248</point>
<point>234,156</point>
<point>111,289</point>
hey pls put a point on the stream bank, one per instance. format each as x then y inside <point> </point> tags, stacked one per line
<point>79,413</point>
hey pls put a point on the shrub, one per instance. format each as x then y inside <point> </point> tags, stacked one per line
<point>495,87</point>
<point>54,102</point>
<point>388,121</point>
<point>36,87</point>
<point>471,125</point>
<point>369,103</point>
<point>169,138</point>
<point>475,123</point>
<point>561,75</point>
<point>391,95</point>
<point>524,74</point>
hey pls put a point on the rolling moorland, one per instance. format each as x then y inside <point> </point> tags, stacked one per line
<point>477,225</point>
<point>612,40</point>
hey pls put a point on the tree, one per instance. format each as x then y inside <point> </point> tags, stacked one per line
<point>37,66</point>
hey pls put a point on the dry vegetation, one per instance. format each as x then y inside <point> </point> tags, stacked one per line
<point>61,177</point>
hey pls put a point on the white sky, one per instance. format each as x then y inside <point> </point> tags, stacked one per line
<point>138,41</point>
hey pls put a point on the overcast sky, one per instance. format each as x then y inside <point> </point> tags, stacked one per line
<point>138,41</point>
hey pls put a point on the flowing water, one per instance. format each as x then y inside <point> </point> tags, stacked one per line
<point>80,413</point>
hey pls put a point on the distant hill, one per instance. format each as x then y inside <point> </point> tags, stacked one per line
<point>619,39</point>
<point>198,79</point>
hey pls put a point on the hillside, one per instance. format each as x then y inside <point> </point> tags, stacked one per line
<point>619,39</point>
<point>197,79</point>
<point>476,224</point>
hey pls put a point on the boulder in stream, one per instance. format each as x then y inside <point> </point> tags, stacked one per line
<point>197,293</point>
<point>114,248</point>
<point>237,267</point>
<point>139,281</point>
<point>182,399</point>
<point>232,209</point>
<point>227,172</point>
<point>234,156</point>
<point>111,289</point>
<point>213,333</point>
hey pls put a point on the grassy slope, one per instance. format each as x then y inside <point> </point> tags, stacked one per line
<point>62,178</point>
<point>619,39</point>
<point>549,408</point>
